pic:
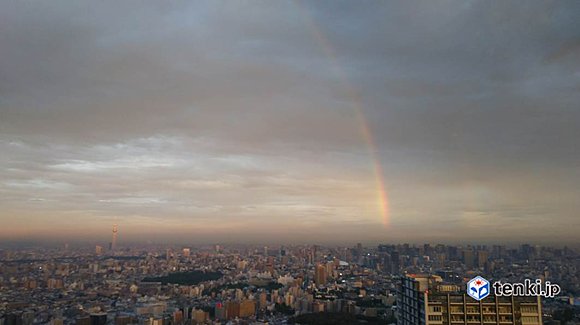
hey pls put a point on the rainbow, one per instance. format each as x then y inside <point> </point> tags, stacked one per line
<point>352,94</point>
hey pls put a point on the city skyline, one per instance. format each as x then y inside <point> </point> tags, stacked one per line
<point>311,122</point>
<point>307,284</point>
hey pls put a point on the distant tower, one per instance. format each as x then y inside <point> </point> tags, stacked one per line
<point>114,241</point>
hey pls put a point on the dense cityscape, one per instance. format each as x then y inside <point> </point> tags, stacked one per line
<point>236,284</point>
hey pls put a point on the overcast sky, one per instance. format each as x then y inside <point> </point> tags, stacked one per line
<point>225,121</point>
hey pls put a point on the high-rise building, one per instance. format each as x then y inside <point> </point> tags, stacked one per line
<point>98,250</point>
<point>186,252</point>
<point>358,253</point>
<point>263,300</point>
<point>468,258</point>
<point>395,262</point>
<point>178,317</point>
<point>482,258</point>
<point>114,239</point>
<point>247,308</point>
<point>220,311</point>
<point>199,316</point>
<point>233,309</point>
<point>318,306</point>
<point>427,300</point>
<point>320,275</point>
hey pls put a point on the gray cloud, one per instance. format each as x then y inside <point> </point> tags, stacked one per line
<point>240,117</point>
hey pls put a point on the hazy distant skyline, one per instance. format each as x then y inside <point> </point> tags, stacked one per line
<point>258,121</point>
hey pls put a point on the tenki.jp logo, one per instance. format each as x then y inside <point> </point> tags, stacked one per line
<point>478,288</point>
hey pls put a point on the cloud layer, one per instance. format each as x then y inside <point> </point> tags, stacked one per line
<point>216,121</point>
